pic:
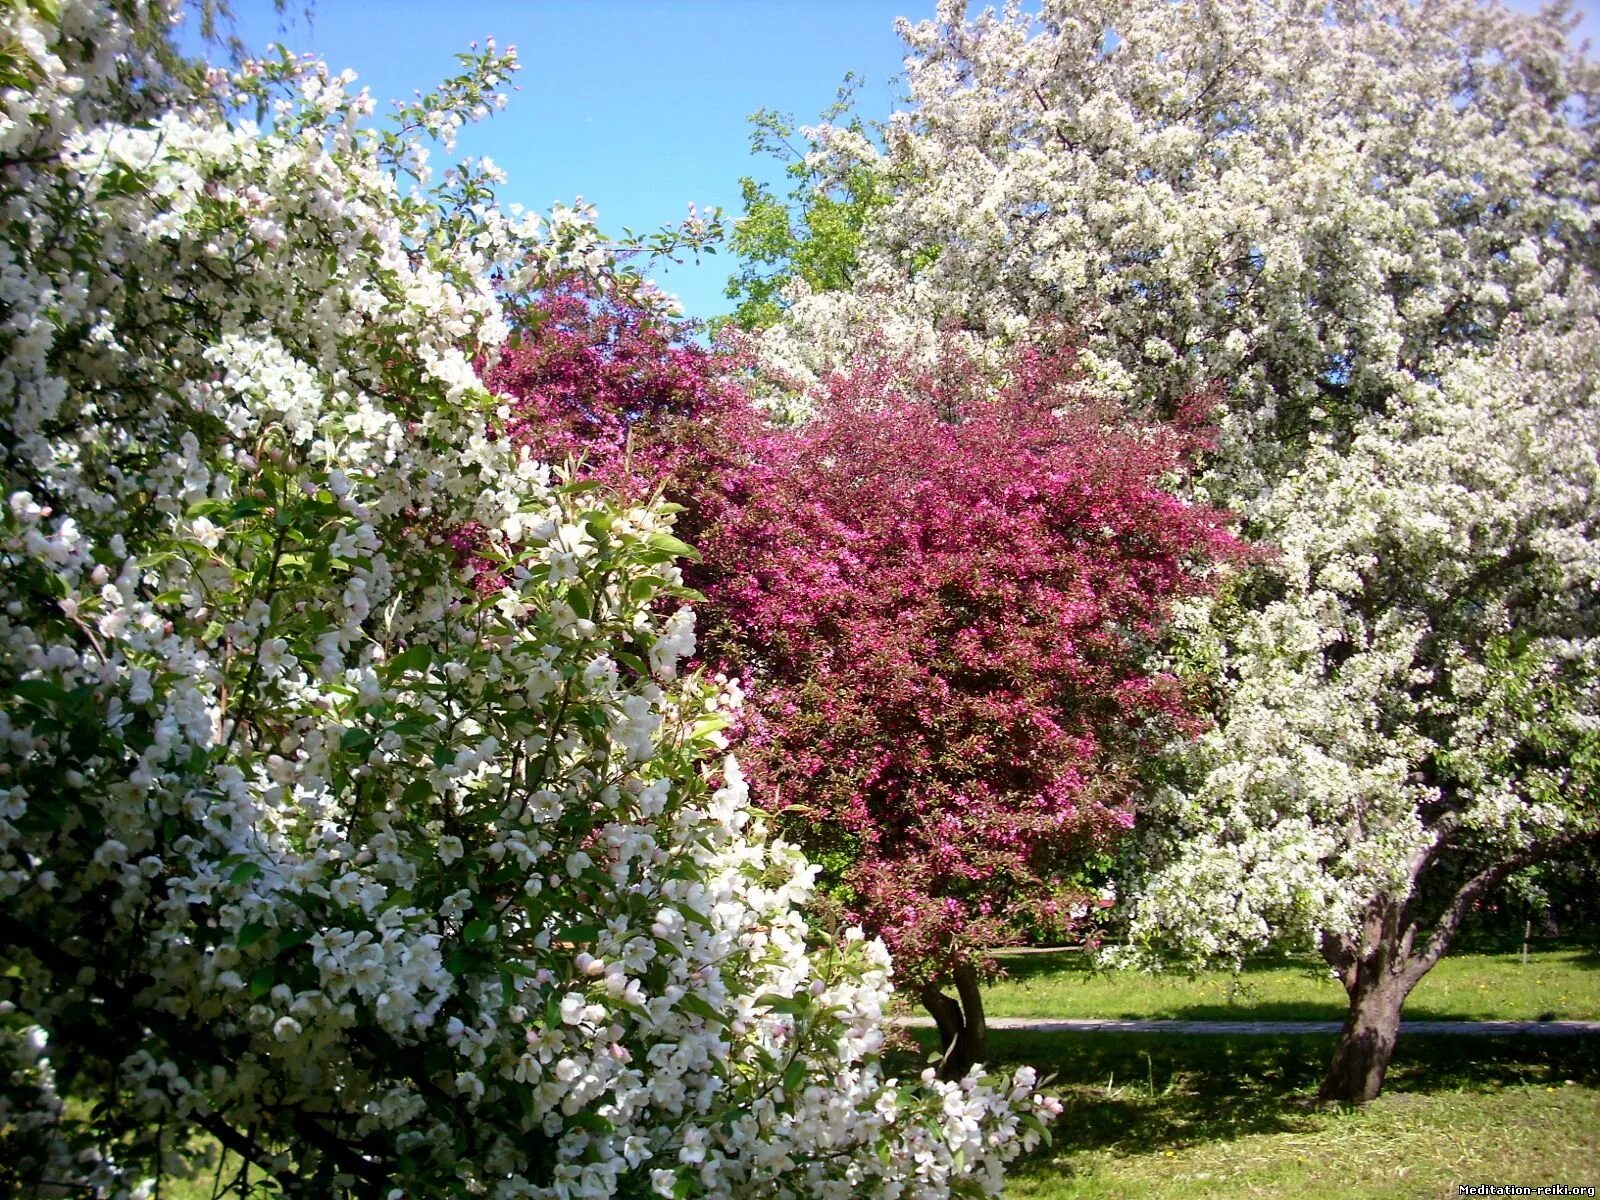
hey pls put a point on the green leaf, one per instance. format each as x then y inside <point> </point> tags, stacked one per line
<point>591,1121</point>
<point>261,980</point>
<point>416,658</point>
<point>794,1075</point>
<point>674,546</point>
<point>700,1007</point>
<point>793,1005</point>
<point>39,691</point>
<point>710,724</point>
<point>42,816</point>
<point>475,929</point>
<point>251,933</point>
<point>244,873</point>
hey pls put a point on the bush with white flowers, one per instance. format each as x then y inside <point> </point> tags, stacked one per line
<point>387,884</point>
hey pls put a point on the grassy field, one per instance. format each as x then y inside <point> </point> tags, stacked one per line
<point>1554,985</point>
<point>1215,1118</point>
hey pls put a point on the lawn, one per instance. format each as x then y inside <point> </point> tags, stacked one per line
<point>1223,1117</point>
<point>1554,985</point>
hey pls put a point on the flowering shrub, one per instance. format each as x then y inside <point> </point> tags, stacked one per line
<point>944,602</point>
<point>387,884</point>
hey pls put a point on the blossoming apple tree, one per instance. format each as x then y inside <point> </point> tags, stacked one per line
<point>1308,201</point>
<point>1365,220</point>
<point>312,847</point>
<point>1413,697</point>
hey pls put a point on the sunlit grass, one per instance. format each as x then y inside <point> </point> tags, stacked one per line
<point>1221,1117</point>
<point>1554,985</point>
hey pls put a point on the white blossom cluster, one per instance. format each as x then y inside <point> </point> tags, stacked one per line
<point>1306,201</point>
<point>1422,674</point>
<point>392,881</point>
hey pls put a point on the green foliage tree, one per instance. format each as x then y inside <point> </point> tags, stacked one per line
<point>814,233</point>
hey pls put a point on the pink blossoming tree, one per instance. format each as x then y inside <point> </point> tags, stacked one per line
<point>943,595</point>
<point>945,600</point>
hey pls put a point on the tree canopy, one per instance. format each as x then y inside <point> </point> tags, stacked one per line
<point>1371,225</point>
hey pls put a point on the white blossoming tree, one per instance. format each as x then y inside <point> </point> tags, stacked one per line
<point>1307,201</point>
<point>388,884</point>
<point>1412,692</point>
<point>1372,226</point>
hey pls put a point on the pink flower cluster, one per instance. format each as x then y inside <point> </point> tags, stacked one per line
<point>941,595</point>
<point>945,601</point>
<point>600,378</point>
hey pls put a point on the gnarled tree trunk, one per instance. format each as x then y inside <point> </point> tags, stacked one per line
<point>963,1030</point>
<point>1378,972</point>
<point>1381,963</point>
<point>1366,1043</point>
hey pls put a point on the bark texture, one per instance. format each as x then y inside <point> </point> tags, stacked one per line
<point>963,1029</point>
<point>1366,1043</point>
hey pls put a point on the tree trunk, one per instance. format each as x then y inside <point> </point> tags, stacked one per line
<point>1367,1040</point>
<point>1381,962</point>
<point>963,1030</point>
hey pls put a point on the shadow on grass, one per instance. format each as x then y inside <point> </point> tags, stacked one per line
<point>1142,1093</point>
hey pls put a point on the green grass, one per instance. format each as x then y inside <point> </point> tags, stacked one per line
<point>1555,985</point>
<point>1213,1118</point>
<point>206,1185</point>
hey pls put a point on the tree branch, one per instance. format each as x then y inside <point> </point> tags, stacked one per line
<point>1450,920</point>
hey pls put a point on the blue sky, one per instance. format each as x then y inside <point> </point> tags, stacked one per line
<point>638,106</point>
